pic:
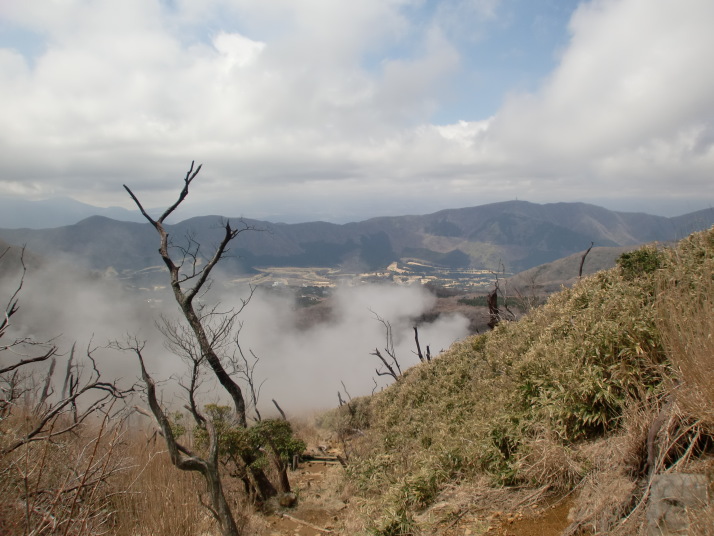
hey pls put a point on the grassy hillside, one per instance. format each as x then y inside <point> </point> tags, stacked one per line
<point>552,276</point>
<point>564,399</point>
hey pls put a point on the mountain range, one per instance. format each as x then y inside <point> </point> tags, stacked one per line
<point>56,212</point>
<point>511,236</point>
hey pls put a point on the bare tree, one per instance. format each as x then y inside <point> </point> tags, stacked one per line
<point>203,342</point>
<point>187,283</point>
<point>347,403</point>
<point>391,364</point>
<point>17,385</point>
<point>245,369</point>
<point>54,459</point>
<point>181,456</point>
<point>582,260</point>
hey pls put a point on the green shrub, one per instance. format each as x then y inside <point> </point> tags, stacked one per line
<point>271,435</point>
<point>639,262</point>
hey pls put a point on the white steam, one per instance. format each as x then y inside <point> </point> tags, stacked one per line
<point>302,368</point>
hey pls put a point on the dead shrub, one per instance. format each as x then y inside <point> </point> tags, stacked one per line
<point>153,499</point>
<point>606,497</point>
<point>549,462</point>
<point>685,320</point>
<point>63,485</point>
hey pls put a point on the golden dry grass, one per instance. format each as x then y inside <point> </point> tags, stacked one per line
<point>686,322</point>
<point>564,398</point>
<point>153,497</point>
<point>112,481</point>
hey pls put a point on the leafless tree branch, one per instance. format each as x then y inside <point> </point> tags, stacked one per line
<point>582,260</point>
<point>204,342</point>
<point>392,365</point>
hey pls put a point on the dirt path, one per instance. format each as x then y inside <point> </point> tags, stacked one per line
<point>539,521</point>
<point>320,510</point>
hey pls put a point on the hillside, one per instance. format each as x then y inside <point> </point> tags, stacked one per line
<point>593,396</point>
<point>511,236</point>
<point>591,415</point>
<point>551,276</point>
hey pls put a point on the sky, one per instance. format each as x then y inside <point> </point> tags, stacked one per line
<point>338,110</point>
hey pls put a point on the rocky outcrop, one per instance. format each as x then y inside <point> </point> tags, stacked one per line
<point>672,496</point>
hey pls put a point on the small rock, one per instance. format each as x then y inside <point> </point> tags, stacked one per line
<point>671,495</point>
<point>287,500</point>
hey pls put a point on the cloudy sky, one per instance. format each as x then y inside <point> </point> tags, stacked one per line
<point>341,110</point>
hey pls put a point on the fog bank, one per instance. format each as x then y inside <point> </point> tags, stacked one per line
<point>302,368</point>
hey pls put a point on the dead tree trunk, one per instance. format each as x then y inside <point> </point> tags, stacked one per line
<point>493,312</point>
<point>187,281</point>
<point>423,358</point>
<point>582,260</point>
<point>185,298</point>
<point>184,459</point>
<point>281,468</point>
<point>282,413</point>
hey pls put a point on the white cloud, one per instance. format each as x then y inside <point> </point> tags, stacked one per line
<point>287,102</point>
<point>632,74</point>
<point>237,50</point>
<point>302,367</point>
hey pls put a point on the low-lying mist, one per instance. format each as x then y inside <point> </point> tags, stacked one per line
<point>302,368</point>
<point>305,368</point>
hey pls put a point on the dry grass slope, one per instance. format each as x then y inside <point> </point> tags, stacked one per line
<point>595,391</point>
<point>126,486</point>
<point>606,385</point>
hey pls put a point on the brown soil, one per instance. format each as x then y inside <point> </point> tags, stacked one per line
<point>548,521</point>
<point>477,511</point>
<point>321,510</point>
<point>318,510</point>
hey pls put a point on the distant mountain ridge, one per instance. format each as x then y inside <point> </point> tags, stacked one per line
<point>48,213</point>
<point>513,235</point>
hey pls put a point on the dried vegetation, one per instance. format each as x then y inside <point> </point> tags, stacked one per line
<point>590,395</point>
<point>585,398</point>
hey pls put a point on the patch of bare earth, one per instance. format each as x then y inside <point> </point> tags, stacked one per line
<point>477,511</point>
<point>319,508</point>
<point>461,511</point>
<point>541,521</point>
